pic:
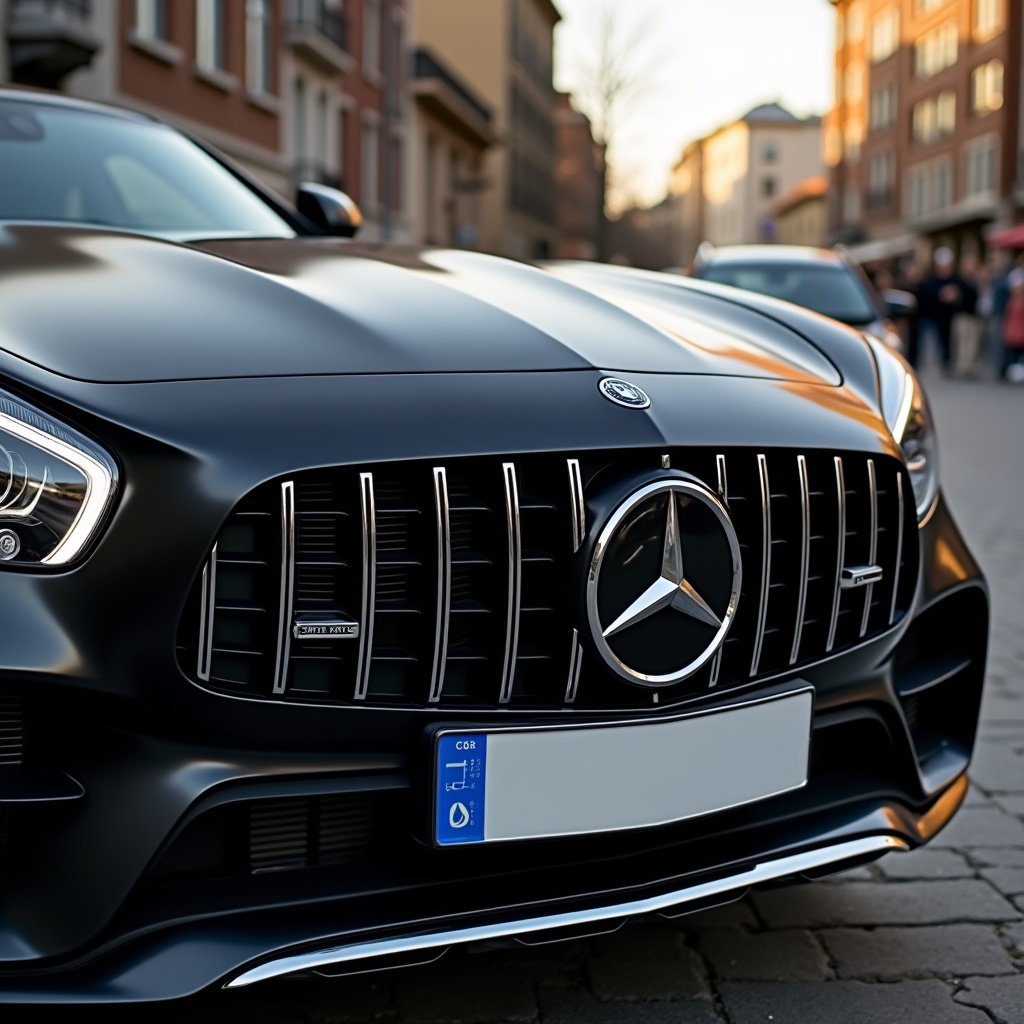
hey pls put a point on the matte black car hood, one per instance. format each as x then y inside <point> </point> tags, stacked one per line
<point>106,307</point>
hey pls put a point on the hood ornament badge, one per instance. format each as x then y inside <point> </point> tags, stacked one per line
<point>621,392</point>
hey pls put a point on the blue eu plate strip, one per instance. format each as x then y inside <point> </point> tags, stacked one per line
<point>459,802</point>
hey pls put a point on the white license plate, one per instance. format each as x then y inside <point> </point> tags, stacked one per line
<point>493,785</point>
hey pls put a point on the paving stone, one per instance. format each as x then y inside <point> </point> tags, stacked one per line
<point>647,963</point>
<point>844,1002</point>
<point>445,994</point>
<point>767,956</point>
<point>583,1008</point>
<point>1011,804</point>
<point>976,798</point>
<point>982,826</point>
<point>997,857</point>
<point>1009,881</point>
<point>732,915</point>
<point>1013,937</point>
<point>880,903</point>
<point>894,953</point>
<point>925,864</point>
<point>1003,998</point>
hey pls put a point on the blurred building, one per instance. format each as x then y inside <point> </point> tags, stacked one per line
<point>579,184</point>
<point>502,50</point>
<point>923,140</point>
<point>725,185</point>
<point>801,216</point>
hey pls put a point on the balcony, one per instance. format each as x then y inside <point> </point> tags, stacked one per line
<point>48,39</point>
<point>450,100</point>
<point>318,31</point>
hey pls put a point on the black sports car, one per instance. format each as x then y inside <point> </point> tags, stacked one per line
<point>358,601</point>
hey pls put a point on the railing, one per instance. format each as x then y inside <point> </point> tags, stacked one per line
<point>324,18</point>
<point>425,65</point>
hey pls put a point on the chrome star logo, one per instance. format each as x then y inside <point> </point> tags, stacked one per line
<point>646,536</point>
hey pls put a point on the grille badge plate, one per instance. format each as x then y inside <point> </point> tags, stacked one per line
<point>325,629</point>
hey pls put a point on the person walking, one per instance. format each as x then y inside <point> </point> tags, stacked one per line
<point>1013,329</point>
<point>968,326</point>
<point>944,294</point>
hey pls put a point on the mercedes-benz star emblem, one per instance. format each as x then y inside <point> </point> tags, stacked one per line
<point>664,582</point>
<point>621,392</point>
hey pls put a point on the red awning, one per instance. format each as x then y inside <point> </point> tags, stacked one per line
<point>1008,238</point>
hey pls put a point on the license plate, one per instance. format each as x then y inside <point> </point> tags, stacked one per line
<point>502,784</point>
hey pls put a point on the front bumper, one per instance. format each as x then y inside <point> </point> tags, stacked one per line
<point>111,897</point>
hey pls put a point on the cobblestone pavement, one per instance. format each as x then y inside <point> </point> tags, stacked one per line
<point>934,936</point>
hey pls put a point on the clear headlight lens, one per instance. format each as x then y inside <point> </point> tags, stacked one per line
<point>906,412</point>
<point>55,487</point>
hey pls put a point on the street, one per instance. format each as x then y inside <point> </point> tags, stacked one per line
<point>934,936</point>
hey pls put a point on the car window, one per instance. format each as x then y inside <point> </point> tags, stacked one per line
<point>834,291</point>
<point>59,164</point>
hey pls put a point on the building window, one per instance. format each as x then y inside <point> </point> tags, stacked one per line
<point>833,146</point>
<point>885,35</point>
<point>151,19</point>
<point>840,28</point>
<point>769,151</point>
<point>257,47</point>
<point>982,162</point>
<point>320,135</point>
<point>853,139</point>
<point>210,34</point>
<point>881,177</point>
<point>935,117</point>
<point>768,187</point>
<point>299,141</point>
<point>854,83</point>
<point>929,189</point>
<point>371,38</point>
<point>851,206</point>
<point>936,51</point>
<point>883,108</point>
<point>855,22</point>
<point>987,87</point>
<point>369,186</point>
<point>988,18</point>
<point>924,6</point>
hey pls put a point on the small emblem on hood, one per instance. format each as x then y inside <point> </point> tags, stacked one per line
<point>621,392</point>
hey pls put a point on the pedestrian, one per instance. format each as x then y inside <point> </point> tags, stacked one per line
<point>1013,329</point>
<point>967,326</point>
<point>912,280</point>
<point>944,294</point>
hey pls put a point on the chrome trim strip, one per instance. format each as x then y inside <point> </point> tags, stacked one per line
<point>723,479</point>
<point>840,552</point>
<point>515,580</point>
<point>716,668</point>
<point>873,551</point>
<point>579,509</point>
<point>805,556</point>
<point>206,612</point>
<point>792,865</point>
<point>444,582</point>
<point>899,547</point>
<point>575,663</point>
<point>284,626</point>
<point>368,506</point>
<point>766,560</point>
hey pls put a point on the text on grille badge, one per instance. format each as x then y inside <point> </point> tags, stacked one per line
<point>325,629</point>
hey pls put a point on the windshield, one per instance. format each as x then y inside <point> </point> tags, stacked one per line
<point>85,167</point>
<point>834,291</point>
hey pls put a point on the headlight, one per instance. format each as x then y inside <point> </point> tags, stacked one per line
<point>906,412</point>
<point>55,487</point>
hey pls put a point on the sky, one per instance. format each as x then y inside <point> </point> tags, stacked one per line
<point>703,63</point>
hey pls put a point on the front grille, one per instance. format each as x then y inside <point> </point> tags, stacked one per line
<point>465,578</point>
<point>12,730</point>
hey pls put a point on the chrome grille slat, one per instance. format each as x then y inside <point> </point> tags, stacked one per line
<point>805,557</point>
<point>766,560</point>
<point>872,542</point>
<point>444,582</point>
<point>209,600</point>
<point>368,511</point>
<point>463,577</point>
<point>284,636</point>
<point>515,580</point>
<point>840,553</point>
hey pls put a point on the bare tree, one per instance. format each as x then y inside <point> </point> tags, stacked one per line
<point>609,81</point>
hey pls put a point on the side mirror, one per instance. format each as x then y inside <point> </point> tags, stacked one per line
<point>328,208</point>
<point>900,304</point>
